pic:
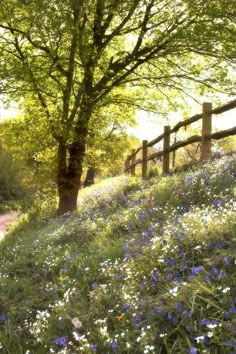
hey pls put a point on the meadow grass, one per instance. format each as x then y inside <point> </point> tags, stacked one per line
<point>142,267</point>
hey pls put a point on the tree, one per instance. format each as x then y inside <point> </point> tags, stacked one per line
<point>74,56</point>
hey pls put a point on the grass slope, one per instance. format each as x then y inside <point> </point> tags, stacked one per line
<point>141,268</point>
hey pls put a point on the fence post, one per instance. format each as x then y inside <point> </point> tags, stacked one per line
<point>174,155</point>
<point>133,157</point>
<point>206,130</point>
<point>127,165</point>
<point>166,154</point>
<point>144,159</point>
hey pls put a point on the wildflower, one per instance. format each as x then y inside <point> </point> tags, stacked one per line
<point>175,320</point>
<point>174,291</point>
<point>114,344</point>
<point>193,350</point>
<point>207,280</point>
<point>126,246</point>
<point>93,347</point>
<point>61,341</point>
<point>218,203</point>
<point>94,285</point>
<point>229,313</point>
<point>136,320</point>
<point>158,310</point>
<point>126,308</point>
<point>76,322</point>
<point>187,314</point>
<point>226,261</point>
<point>3,317</point>
<point>196,270</point>
<point>155,276</point>
<point>179,307</point>
<point>225,290</point>
<point>169,277</point>
<point>205,322</point>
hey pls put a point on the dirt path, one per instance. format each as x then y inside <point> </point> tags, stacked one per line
<point>5,221</point>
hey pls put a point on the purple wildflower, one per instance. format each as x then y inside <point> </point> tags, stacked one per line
<point>187,314</point>
<point>114,344</point>
<point>61,341</point>
<point>179,307</point>
<point>230,312</point>
<point>193,350</point>
<point>175,320</point>
<point>127,254</point>
<point>93,347</point>
<point>3,317</point>
<point>155,276</point>
<point>196,270</point>
<point>205,322</point>
<point>125,308</point>
<point>226,261</point>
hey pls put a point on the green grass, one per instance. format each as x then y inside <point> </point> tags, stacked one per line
<point>140,268</point>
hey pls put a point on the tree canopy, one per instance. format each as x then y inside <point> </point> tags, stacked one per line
<point>73,57</point>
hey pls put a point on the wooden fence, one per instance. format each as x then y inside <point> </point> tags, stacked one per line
<point>205,140</point>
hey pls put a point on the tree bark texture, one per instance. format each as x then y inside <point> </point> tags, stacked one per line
<point>70,167</point>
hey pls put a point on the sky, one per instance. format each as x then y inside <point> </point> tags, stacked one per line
<point>149,126</point>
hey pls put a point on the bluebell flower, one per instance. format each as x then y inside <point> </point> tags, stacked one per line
<point>207,280</point>
<point>230,343</point>
<point>179,307</point>
<point>125,308</point>
<point>61,341</point>
<point>94,347</point>
<point>218,202</point>
<point>196,270</point>
<point>193,350</point>
<point>155,276</point>
<point>136,320</point>
<point>3,317</point>
<point>158,310</point>
<point>171,262</point>
<point>94,285</point>
<point>228,314</point>
<point>127,255</point>
<point>118,276</point>
<point>169,277</point>
<point>143,285</point>
<point>189,180</point>
<point>187,314</point>
<point>226,261</point>
<point>126,246</point>
<point>205,322</point>
<point>175,320</point>
<point>114,344</point>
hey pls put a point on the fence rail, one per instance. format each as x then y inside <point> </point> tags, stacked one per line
<point>205,140</point>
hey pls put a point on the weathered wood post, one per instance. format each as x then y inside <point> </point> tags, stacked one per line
<point>144,159</point>
<point>206,130</point>
<point>127,165</point>
<point>133,157</point>
<point>166,154</point>
<point>174,155</point>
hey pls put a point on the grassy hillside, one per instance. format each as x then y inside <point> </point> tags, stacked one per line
<point>141,268</point>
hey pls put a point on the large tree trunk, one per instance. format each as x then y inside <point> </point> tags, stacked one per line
<point>70,162</point>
